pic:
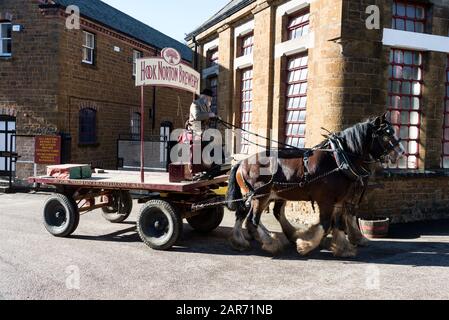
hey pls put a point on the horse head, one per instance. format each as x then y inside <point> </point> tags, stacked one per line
<point>386,145</point>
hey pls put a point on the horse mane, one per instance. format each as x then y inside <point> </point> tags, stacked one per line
<point>355,138</point>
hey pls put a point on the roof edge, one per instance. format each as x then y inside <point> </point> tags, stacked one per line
<point>218,19</point>
<point>157,48</point>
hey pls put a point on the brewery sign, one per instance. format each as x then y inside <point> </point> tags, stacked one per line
<point>168,70</point>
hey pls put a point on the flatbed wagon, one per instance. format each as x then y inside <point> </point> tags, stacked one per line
<point>164,204</point>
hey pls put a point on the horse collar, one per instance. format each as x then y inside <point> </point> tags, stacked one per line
<point>347,167</point>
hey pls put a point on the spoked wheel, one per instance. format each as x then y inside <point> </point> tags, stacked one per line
<point>207,220</point>
<point>120,207</point>
<point>159,225</point>
<point>61,215</point>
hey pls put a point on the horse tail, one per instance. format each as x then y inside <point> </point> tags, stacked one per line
<point>234,191</point>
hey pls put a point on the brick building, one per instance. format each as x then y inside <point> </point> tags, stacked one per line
<point>298,65</point>
<point>78,82</point>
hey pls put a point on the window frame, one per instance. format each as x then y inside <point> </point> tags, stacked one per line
<point>291,30</point>
<point>405,18</point>
<point>400,109</point>
<point>91,134</point>
<point>212,57</point>
<point>289,138</point>
<point>135,60</point>
<point>246,49</point>
<point>85,46</point>
<point>246,121</point>
<point>135,125</point>
<point>445,140</point>
<point>212,82</point>
<point>5,54</point>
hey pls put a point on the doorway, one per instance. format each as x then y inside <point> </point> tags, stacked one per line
<point>7,144</point>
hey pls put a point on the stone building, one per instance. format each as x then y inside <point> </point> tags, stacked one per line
<point>78,82</point>
<point>298,65</point>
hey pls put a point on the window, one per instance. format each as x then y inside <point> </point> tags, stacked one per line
<point>88,47</point>
<point>246,107</point>
<point>213,85</point>
<point>404,102</point>
<point>87,126</point>
<point>135,125</point>
<point>212,57</point>
<point>296,101</point>
<point>409,16</point>
<point>445,160</point>
<point>136,55</point>
<point>5,39</point>
<point>247,44</point>
<point>298,24</point>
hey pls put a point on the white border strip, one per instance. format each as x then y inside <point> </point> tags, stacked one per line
<point>292,6</point>
<point>415,41</point>
<point>243,62</point>
<point>211,45</point>
<point>244,28</point>
<point>295,46</point>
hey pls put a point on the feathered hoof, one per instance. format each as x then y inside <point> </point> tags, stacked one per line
<point>275,247</point>
<point>349,251</point>
<point>241,246</point>
<point>364,242</point>
<point>303,247</point>
<point>248,236</point>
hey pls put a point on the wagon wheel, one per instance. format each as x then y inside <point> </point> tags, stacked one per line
<point>159,225</point>
<point>61,216</point>
<point>120,208</point>
<point>208,220</point>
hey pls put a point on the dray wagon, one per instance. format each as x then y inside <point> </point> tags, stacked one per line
<point>160,220</point>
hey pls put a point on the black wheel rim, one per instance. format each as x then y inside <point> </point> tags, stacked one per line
<point>55,214</point>
<point>156,226</point>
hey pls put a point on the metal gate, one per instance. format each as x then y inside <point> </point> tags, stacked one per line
<point>156,153</point>
<point>7,144</point>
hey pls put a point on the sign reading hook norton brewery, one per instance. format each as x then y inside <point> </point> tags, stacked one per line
<point>167,71</point>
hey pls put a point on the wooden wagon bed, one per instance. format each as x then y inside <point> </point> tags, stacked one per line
<point>127,180</point>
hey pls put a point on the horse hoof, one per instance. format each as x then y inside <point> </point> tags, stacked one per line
<point>240,246</point>
<point>248,236</point>
<point>275,247</point>
<point>348,252</point>
<point>364,242</point>
<point>303,247</point>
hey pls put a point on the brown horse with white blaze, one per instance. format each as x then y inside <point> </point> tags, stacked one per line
<point>325,175</point>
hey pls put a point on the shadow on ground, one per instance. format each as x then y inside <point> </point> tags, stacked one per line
<point>399,249</point>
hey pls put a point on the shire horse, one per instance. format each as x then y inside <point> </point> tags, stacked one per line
<point>326,177</point>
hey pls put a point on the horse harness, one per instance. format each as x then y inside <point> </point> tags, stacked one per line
<point>357,174</point>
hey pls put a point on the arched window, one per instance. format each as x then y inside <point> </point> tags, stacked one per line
<point>5,38</point>
<point>88,126</point>
<point>135,125</point>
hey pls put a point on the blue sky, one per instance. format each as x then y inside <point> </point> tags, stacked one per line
<point>172,17</point>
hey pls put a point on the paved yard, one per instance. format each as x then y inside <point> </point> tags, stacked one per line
<point>102,260</point>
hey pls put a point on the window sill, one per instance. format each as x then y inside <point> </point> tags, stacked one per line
<point>398,173</point>
<point>89,65</point>
<point>6,58</point>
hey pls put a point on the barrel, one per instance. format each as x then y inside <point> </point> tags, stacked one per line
<point>375,227</point>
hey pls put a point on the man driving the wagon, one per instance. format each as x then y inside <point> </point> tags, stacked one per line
<point>200,117</point>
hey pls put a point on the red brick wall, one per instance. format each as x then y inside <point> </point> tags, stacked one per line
<point>46,84</point>
<point>29,79</point>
